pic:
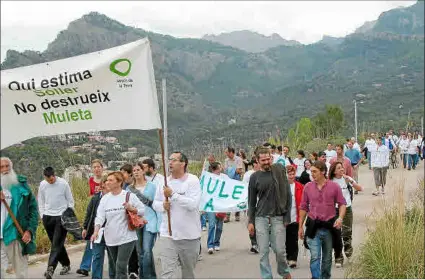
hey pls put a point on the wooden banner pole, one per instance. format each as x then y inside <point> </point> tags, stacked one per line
<point>161,142</point>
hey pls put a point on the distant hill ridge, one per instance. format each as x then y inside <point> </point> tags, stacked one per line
<point>250,41</point>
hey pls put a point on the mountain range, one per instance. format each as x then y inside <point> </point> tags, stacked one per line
<point>250,41</point>
<point>211,85</point>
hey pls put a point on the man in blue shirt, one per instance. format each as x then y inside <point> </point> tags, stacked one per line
<point>355,158</point>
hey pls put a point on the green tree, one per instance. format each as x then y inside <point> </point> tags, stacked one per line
<point>301,134</point>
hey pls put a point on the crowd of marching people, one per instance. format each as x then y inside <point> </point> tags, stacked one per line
<point>135,209</point>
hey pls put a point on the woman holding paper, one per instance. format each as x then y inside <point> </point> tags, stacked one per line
<point>113,208</point>
<point>98,246</point>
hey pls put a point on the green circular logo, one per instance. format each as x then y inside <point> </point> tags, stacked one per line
<point>113,66</point>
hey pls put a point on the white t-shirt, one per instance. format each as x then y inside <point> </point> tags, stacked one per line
<point>247,176</point>
<point>4,213</point>
<point>380,156</point>
<point>112,209</point>
<point>330,154</point>
<point>413,145</point>
<point>369,144</point>
<point>294,206</point>
<point>300,166</point>
<point>184,209</point>
<point>54,199</point>
<point>356,146</point>
<point>403,145</point>
<point>345,192</point>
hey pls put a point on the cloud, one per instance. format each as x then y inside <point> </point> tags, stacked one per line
<point>33,24</point>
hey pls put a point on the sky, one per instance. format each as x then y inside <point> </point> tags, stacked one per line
<point>33,24</point>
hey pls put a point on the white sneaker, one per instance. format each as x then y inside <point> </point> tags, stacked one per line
<point>204,228</point>
<point>217,248</point>
<point>210,251</point>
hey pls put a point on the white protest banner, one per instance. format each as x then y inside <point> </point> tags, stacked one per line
<point>113,89</point>
<point>222,194</point>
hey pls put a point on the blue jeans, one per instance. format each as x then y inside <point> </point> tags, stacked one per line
<point>204,220</point>
<point>416,159</point>
<point>411,161</point>
<point>215,228</point>
<point>86,261</point>
<point>98,259</point>
<point>320,254</point>
<point>276,235</point>
<point>405,159</point>
<point>146,241</point>
<point>369,159</point>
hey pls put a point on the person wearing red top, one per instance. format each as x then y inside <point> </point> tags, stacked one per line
<point>341,158</point>
<point>292,229</point>
<point>94,182</point>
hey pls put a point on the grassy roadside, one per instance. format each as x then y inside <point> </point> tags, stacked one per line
<point>394,245</point>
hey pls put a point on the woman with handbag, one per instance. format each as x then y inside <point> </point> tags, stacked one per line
<point>122,212</point>
<point>337,174</point>
<point>145,192</point>
<point>215,220</point>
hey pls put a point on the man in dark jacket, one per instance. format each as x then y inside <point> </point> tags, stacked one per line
<point>15,191</point>
<point>269,209</point>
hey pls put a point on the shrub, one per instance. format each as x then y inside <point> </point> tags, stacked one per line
<point>394,248</point>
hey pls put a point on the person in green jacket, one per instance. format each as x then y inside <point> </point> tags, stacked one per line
<point>16,192</point>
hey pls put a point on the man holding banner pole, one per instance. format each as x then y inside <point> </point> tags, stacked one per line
<point>181,248</point>
<point>269,203</point>
<point>19,220</point>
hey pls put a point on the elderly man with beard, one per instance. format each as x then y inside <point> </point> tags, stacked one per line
<point>16,192</point>
<point>269,203</point>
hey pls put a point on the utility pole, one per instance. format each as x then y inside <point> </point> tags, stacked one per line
<point>355,119</point>
<point>408,120</point>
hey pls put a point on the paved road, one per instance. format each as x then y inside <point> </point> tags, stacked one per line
<point>234,259</point>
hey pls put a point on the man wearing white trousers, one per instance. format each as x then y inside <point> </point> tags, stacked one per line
<point>14,246</point>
